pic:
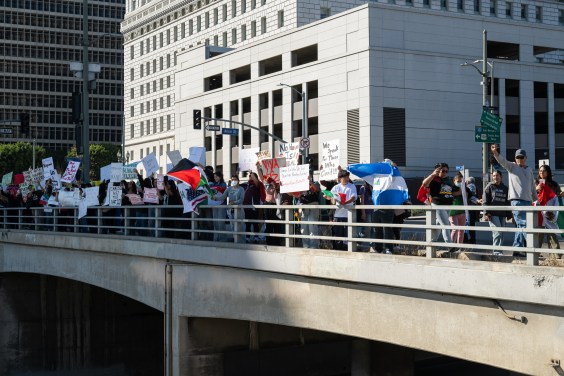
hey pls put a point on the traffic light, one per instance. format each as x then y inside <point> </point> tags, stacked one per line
<point>197,119</point>
<point>24,123</point>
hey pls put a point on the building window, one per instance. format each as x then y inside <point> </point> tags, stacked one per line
<point>233,8</point>
<point>253,4</point>
<point>426,3</point>
<point>168,100</point>
<point>243,32</point>
<point>493,7</point>
<point>161,40</point>
<point>190,27</point>
<point>148,46</point>
<point>460,5</point>
<point>183,30</point>
<point>262,2</point>
<point>263,25</point>
<point>477,6</point>
<point>561,16</point>
<point>141,70</point>
<point>168,122</point>
<point>224,37</point>
<point>243,6</point>
<point>508,11</point>
<point>155,130</point>
<point>141,108</point>
<point>215,16</point>
<point>132,93</point>
<point>444,4</point>
<point>253,29</point>
<point>207,20</point>
<point>131,52</point>
<point>175,36</point>
<point>132,111</point>
<point>524,12</point>
<point>161,83</point>
<point>161,124</point>
<point>215,40</point>
<point>132,131</point>
<point>141,44</point>
<point>154,65</point>
<point>161,149</point>
<point>538,13</point>
<point>161,102</point>
<point>224,12</point>
<point>154,42</point>
<point>233,36</point>
<point>168,81</point>
<point>141,90</point>
<point>280,18</point>
<point>168,61</point>
<point>324,12</point>
<point>131,74</point>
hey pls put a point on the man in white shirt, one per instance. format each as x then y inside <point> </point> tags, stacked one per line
<point>344,196</point>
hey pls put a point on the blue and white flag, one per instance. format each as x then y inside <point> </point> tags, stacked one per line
<point>388,186</point>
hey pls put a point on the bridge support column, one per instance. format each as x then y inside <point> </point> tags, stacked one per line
<point>371,358</point>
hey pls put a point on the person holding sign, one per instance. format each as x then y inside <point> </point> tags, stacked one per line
<point>310,197</point>
<point>343,195</point>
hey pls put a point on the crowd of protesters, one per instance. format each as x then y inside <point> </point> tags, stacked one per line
<point>265,225</point>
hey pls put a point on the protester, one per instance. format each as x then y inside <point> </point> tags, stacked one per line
<point>235,195</point>
<point>309,197</point>
<point>521,192</point>
<point>344,196</point>
<point>495,194</point>
<point>458,217</point>
<point>548,192</point>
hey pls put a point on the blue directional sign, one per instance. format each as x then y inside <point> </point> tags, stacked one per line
<point>230,131</point>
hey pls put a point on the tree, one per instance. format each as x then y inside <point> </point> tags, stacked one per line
<point>100,155</point>
<point>18,157</point>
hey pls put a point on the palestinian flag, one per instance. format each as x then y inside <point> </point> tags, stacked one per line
<point>191,174</point>
<point>341,197</point>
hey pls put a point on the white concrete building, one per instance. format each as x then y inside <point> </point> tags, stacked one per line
<point>385,79</point>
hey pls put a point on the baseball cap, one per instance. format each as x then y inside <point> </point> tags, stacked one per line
<point>520,152</point>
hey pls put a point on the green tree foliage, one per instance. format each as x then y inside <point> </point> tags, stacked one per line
<point>100,155</point>
<point>18,157</point>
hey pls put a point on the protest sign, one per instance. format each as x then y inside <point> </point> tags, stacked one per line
<point>174,156</point>
<point>271,168</point>
<point>150,196</point>
<point>56,179</point>
<point>263,154</point>
<point>197,154</point>
<point>330,154</point>
<point>24,189</point>
<point>290,151</point>
<point>48,168</point>
<point>37,176</point>
<point>114,192</point>
<point>70,172</point>
<point>116,172</point>
<point>150,163</point>
<point>129,172</point>
<point>82,208</point>
<point>27,177</point>
<point>294,178</point>
<point>160,182</point>
<point>7,179</point>
<point>105,172</point>
<point>135,199</point>
<point>91,196</point>
<point>69,198</point>
<point>248,159</point>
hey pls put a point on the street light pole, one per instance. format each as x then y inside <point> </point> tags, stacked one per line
<point>85,105</point>
<point>485,145</point>
<point>305,117</point>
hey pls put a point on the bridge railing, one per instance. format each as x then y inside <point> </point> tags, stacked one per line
<point>308,226</point>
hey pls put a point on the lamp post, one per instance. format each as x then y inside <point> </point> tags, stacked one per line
<point>485,74</point>
<point>303,95</point>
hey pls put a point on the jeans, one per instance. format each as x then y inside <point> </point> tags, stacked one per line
<point>457,220</point>
<point>221,214</point>
<point>497,236</point>
<point>520,222</point>
<point>442,220</point>
<point>341,232</point>
<point>386,233</point>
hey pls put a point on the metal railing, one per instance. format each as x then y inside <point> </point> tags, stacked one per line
<point>284,225</point>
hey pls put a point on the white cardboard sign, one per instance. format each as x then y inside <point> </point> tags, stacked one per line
<point>294,178</point>
<point>330,155</point>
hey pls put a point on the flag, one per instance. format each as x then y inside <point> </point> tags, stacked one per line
<point>340,198</point>
<point>388,186</point>
<point>191,198</point>
<point>190,173</point>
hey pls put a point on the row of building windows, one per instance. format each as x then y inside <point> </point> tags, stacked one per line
<point>145,107</point>
<point>51,38</point>
<point>47,85</point>
<point>68,7</point>
<point>151,126</point>
<point>147,151</point>
<point>145,89</point>
<point>58,21</point>
<point>62,53</point>
<point>55,101</point>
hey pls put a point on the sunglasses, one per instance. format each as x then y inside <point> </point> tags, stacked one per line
<point>519,157</point>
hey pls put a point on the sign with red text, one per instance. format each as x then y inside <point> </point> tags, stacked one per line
<point>290,151</point>
<point>150,196</point>
<point>263,154</point>
<point>294,178</point>
<point>271,168</point>
<point>70,172</point>
<point>160,182</point>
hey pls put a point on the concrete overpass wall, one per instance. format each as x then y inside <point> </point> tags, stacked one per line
<point>443,306</point>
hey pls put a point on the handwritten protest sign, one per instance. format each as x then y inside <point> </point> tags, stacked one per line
<point>294,178</point>
<point>24,189</point>
<point>174,156</point>
<point>134,199</point>
<point>248,159</point>
<point>48,168</point>
<point>114,192</point>
<point>116,172</point>
<point>150,163</point>
<point>56,179</point>
<point>37,176</point>
<point>27,177</point>
<point>70,172</point>
<point>91,196</point>
<point>330,154</point>
<point>150,196</point>
<point>7,179</point>
<point>271,168</point>
<point>290,151</point>
<point>263,154</point>
<point>129,172</point>
<point>160,182</point>
<point>69,198</point>
<point>197,154</point>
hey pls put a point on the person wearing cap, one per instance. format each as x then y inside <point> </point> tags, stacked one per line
<point>522,190</point>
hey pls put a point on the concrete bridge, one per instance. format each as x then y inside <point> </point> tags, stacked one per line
<point>501,314</point>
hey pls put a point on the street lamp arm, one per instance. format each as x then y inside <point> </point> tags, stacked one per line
<point>466,64</point>
<point>293,88</point>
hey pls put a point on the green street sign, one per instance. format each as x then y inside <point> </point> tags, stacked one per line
<point>486,134</point>
<point>489,120</point>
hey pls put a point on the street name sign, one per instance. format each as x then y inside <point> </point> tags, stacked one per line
<point>230,131</point>
<point>212,128</point>
<point>486,134</point>
<point>490,120</point>
<point>6,131</point>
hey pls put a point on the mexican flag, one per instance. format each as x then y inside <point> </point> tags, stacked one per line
<point>340,198</point>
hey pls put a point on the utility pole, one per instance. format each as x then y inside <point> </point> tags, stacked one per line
<point>85,88</point>
<point>485,145</point>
